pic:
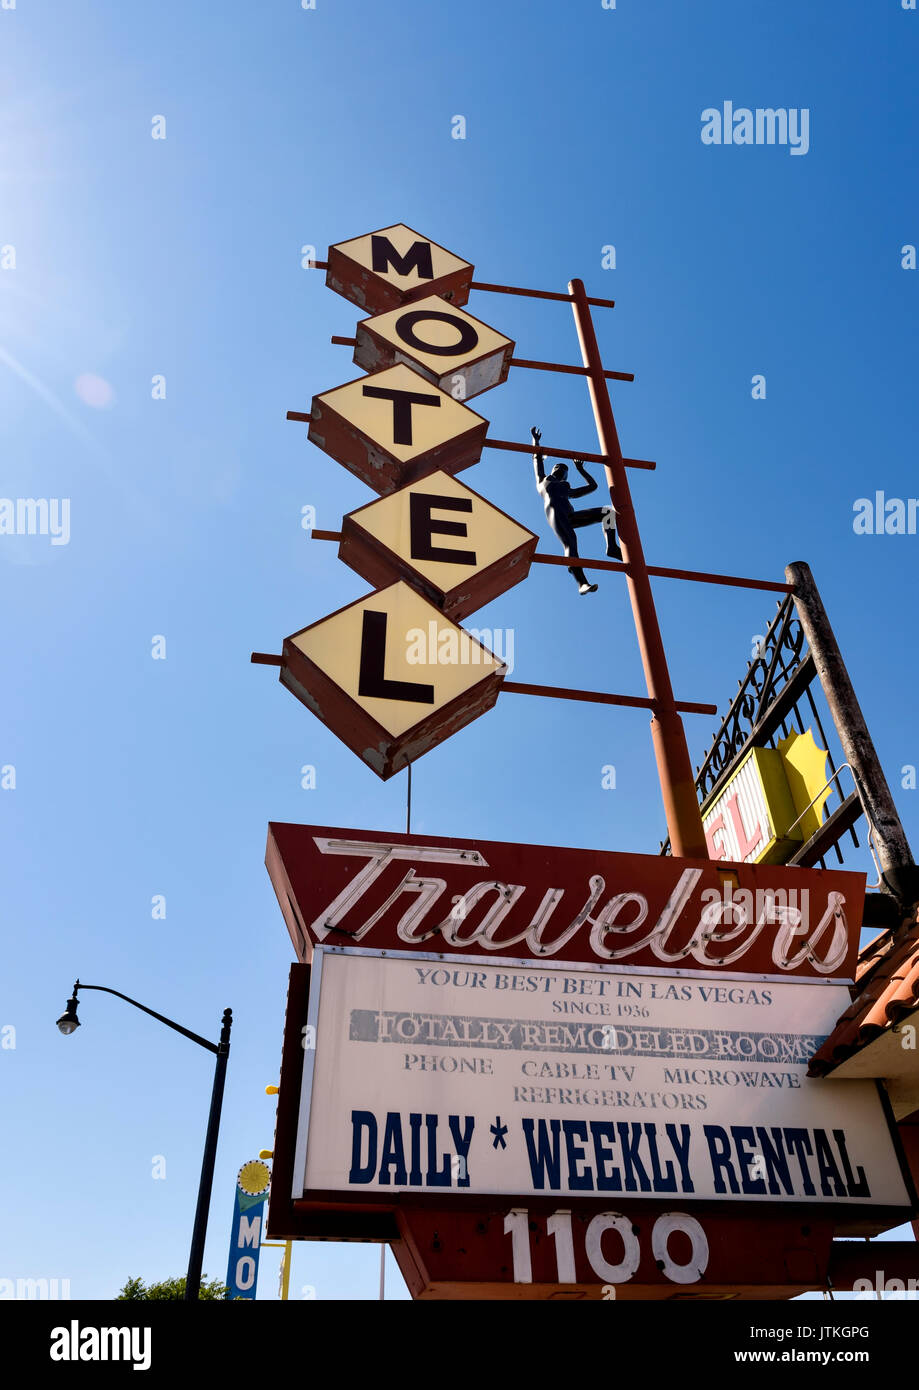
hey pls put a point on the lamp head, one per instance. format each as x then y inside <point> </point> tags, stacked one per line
<point>68,1022</point>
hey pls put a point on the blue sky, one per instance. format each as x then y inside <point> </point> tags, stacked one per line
<point>182,257</point>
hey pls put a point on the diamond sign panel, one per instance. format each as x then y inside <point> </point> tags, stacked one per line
<point>459,353</point>
<point>391,676</point>
<point>456,549</point>
<point>384,269</point>
<point>394,426</point>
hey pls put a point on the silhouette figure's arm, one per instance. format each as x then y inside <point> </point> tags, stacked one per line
<point>591,485</point>
<point>538,461</point>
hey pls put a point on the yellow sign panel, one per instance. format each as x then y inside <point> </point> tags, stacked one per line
<point>446,540</point>
<point>395,425</point>
<point>761,815</point>
<point>391,676</point>
<point>805,768</point>
<point>389,267</point>
<point>382,652</point>
<point>457,352</point>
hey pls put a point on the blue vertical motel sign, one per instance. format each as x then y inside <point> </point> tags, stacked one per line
<point>252,1185</point>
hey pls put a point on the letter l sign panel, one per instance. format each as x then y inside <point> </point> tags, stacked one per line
<point>391,676</point>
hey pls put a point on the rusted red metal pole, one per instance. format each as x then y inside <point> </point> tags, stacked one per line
<point>678,788</point>
<point>563,367</point>
<point>533,294</point>
<point>647,464</point>
<point>341,341</point>
<point>732,581</point>
<point>595,697</point>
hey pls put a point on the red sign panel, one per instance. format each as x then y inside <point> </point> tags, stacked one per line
<point>403,892</point>
<point>583,1252</point>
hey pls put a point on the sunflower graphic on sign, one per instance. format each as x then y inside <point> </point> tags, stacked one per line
<point>253,1181</point>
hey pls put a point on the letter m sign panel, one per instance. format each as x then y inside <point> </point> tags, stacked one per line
<point>394,266</point>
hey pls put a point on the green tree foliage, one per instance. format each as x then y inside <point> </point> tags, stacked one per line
<point>135,1290</point>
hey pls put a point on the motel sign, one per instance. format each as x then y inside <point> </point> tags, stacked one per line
<point>539,1071</point>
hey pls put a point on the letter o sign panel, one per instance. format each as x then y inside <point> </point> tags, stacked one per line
<point>457,352</point>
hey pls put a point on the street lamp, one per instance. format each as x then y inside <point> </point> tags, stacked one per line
<point>68,1023</point>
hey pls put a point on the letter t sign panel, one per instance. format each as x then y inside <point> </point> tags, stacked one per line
<point>395,426</point>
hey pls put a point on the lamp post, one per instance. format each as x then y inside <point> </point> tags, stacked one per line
<point>68,1023</point>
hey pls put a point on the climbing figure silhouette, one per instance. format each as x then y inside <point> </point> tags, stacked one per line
<point>556,493</point>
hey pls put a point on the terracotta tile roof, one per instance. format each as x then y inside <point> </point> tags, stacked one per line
<point>886,989</point>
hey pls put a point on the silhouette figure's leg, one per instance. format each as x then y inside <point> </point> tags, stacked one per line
<point>606,516</point>
<point>587,516</point>
<point>609,531</point>
<point>569,540</point>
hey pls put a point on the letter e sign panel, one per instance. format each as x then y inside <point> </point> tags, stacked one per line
<point>391,676</point>
<point>384,269</point>
<point>459,353</point>
<point>456,549</point>
<point>395,426</point>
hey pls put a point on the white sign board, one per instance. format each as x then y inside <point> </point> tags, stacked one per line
<point>507,1077</point>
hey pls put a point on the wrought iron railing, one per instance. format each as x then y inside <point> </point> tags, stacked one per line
<point>779,676</point>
